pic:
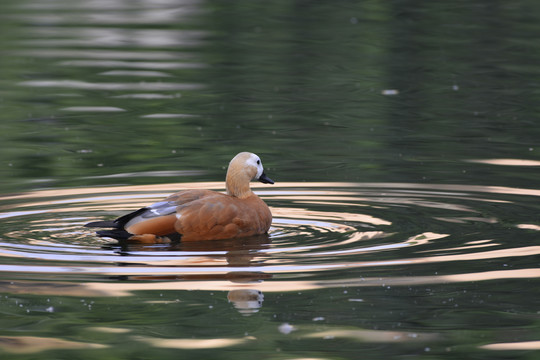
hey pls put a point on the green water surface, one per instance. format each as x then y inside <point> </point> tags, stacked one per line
<point>112,93</point>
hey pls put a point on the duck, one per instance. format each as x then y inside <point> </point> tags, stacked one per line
<point>199,214</point>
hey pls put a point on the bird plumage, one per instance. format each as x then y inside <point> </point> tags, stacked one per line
<point>200,214</point>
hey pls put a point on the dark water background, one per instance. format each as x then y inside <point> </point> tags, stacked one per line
<point>403,136</point>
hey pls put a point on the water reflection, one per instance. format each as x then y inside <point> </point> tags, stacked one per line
<point>525,345</point>
<point>162,65</point>
<point>116,12</point>
<point>315,232</point>
<point>52,37</point>
<point>506,162</point>
<point>93,109</point>
<point>85,85</point>
<point>247,301</point>
<point>376,336</point>
<point>108,55</point>
<point>34,344</point>
<point>325,238</point>
<point>121,289</point>
<point>194,343</point>
<point>348,267</point>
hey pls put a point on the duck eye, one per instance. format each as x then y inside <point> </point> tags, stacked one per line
<point>258,162</point>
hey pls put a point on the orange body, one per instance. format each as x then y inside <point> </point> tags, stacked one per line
<point>208,215</point>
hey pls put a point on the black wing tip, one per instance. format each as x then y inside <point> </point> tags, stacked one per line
<point>117,223</point>
<point>123,220</point>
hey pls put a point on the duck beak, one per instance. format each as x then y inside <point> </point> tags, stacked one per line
<point>265,179</point>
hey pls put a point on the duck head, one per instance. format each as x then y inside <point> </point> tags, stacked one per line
<point>243,168</point>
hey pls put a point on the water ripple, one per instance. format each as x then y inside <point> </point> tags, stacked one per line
<point>322,235</point>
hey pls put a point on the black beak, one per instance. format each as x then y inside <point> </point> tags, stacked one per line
<point>265,179</point>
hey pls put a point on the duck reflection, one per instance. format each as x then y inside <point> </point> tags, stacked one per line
<point>235,252</point>
<point>246,301</point>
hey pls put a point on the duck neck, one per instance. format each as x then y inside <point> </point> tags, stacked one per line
<point>237,185</point>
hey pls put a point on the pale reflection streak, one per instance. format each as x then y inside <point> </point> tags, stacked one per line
<point>192,344</point>
<point>523,345</point>
<point>154,65</point>
<point>463,220</point>
<point>21,213</point>
<point>109,330</point>
<point>98,12</point>
<point>107,54</point>
<point>34,344</point>
<point>145,96</point>
<point>96,289</point>
<point>373,336</point>
<point>52,37</point>
<point>101,5</point>
<point>135,86</point>
<point>167,116</point>
<point>93,109</point>
<point>506,162</point>
<point>528,227</point>
<point>136,73</point>
<point>142,17</point>
<point>459,248</point>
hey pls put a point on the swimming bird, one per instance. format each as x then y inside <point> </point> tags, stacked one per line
<point>197,214</point>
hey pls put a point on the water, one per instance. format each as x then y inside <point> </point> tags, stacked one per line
<point>411,268</point>
<point>403,139</point>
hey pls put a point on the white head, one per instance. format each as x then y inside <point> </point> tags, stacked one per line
<point>255,161</point>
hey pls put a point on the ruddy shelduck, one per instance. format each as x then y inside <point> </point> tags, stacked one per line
<point>192,215</point>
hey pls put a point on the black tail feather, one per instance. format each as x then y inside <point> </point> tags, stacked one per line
<point>118,234</point>
<point>102,224</point>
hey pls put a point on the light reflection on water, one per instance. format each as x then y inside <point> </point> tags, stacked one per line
<point>317,228</point>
